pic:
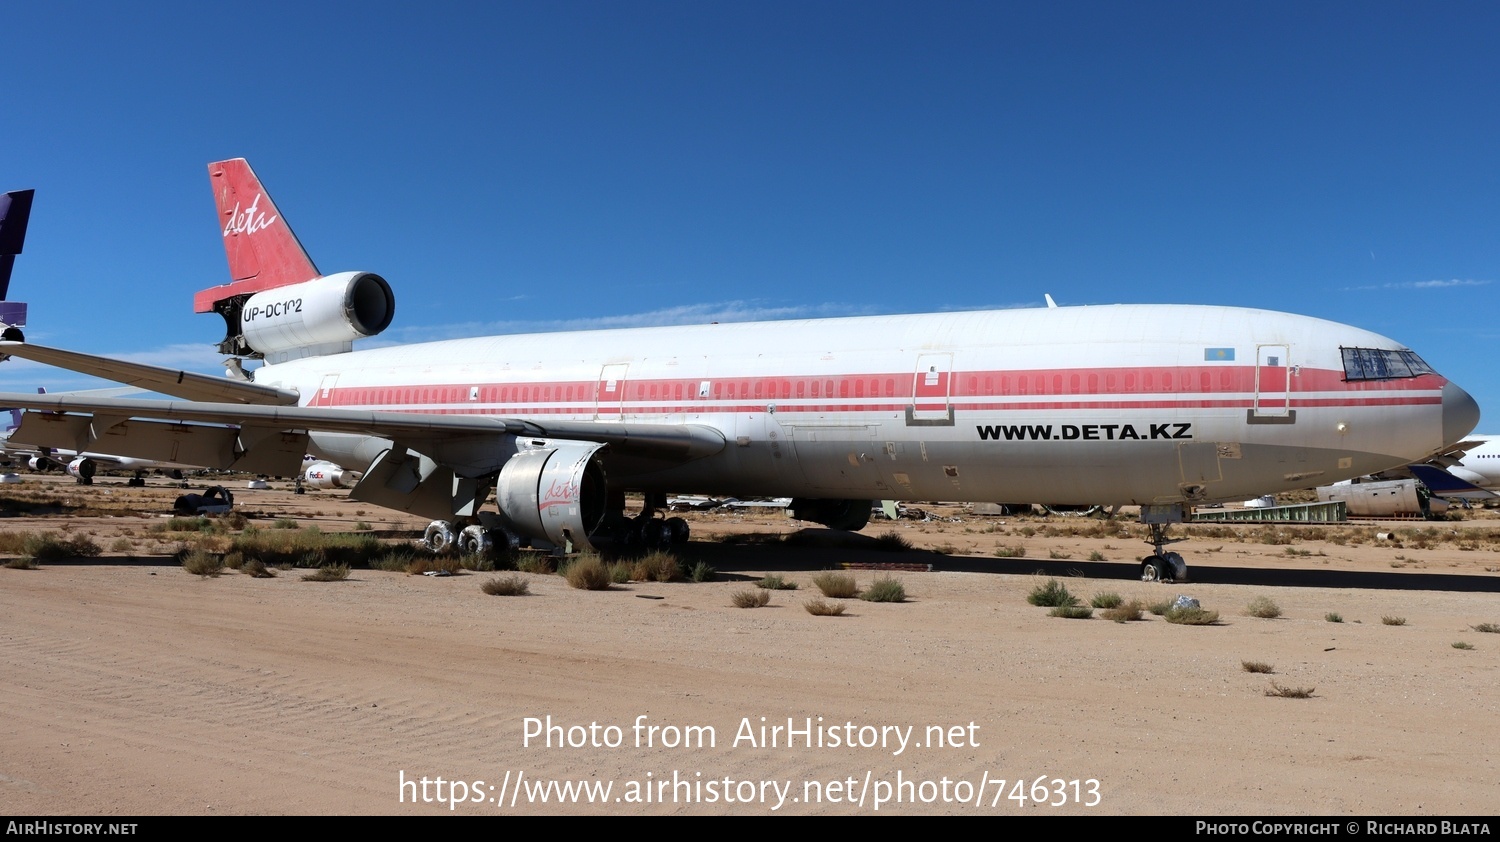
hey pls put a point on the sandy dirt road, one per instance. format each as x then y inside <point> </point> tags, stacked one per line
<point>132,687</point>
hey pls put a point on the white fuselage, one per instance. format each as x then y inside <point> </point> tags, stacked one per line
<point>1102,404</point>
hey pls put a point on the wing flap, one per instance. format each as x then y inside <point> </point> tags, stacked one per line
<point>255,449</point>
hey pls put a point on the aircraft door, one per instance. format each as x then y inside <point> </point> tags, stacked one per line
<point>609,394</point>
<point>1274,382</point>
<point>930,392</point>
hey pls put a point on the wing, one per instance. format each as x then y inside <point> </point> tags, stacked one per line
<point>273,439</point>
<point>153,378</point>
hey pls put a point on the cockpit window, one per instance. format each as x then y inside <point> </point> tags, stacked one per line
<point>1379,364</point>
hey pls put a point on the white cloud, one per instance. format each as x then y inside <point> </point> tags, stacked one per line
<point>1436,284</point>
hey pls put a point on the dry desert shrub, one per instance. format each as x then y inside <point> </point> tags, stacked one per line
<point>513,585</point>
<point>835,585</point>
<point>757,598</point>
<point>329,573</point>
<point>823,608</point>
<point>1126,613</point>
<point>885,589</point>
<point>587,572</point>
<point>1263,608</point>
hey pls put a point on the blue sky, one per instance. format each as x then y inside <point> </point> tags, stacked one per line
<point>517,167</point>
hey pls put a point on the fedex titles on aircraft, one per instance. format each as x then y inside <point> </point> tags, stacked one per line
<point>1085,432</point>
<point>248,221</point>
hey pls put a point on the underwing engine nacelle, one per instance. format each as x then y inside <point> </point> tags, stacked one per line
<point>83,469</point>
<point>327,475</point>
<point>41,463</point>
<point>321,316</point>
<point>554,493</point>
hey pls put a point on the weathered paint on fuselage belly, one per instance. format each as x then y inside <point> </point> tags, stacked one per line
<point>893,461</point>
<point>875,453</point>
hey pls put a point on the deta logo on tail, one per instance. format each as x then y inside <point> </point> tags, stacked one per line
<point>248,221</point>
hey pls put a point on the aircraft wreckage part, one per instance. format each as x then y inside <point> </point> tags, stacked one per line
<point>851,515</point>
<point>555,493</point>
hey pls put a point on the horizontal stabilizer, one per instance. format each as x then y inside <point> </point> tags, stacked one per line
<point>1443,484</point>
<point>152,378</point>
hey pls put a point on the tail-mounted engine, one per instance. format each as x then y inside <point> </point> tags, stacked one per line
<point>556,493</point>
<point>321,316</point>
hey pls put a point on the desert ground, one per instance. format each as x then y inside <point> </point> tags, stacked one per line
<point>132,687</point>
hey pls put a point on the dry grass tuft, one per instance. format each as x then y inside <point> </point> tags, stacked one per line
<point>892,542</point>
<point>1487,628</point>
<point>1191,616</point>
<point>776,583</point>
<point>835,585</point>
<point>1072,612</point>
<point>1127,613</point>
<point>1393,621</point>
<point>331,573</point>
<point>1263,608</point>
<point>1290,692</point>
<point>1257,666</point>
<point>513,585</point>
<point>657,566</point>
<point>1459,644</point>
<point>587,573</point>
<point>1051,594</point>
<point>822,608</point>
<point>885,589</point>
<point>1334,617</point>
<point>201,562</point>
<point>747,598</point>
<point>1107,600</point>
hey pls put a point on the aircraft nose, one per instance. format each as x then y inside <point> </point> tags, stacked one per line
<point>1460,414</point>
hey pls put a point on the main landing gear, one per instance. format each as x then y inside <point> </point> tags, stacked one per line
<point>1162,566</point>
<point>645,530</point>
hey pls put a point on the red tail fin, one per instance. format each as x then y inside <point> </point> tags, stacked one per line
<point>262,250</point>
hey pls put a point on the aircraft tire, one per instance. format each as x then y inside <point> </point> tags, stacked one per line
<point>1155,569</point>
<point>475,540</point>
<point>678,530</point>
<point>439,536</point>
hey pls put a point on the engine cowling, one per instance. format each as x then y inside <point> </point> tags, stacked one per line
<point>41,463</point>
<point>555,493</point>
<point>329,475</point>
<point>835,514</point>
<point>83,468</point>
<point>323,315</point>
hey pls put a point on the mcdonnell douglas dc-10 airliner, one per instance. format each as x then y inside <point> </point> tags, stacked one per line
<point>1158,405</point>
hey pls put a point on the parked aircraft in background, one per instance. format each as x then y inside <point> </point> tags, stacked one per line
<point>15,212</point>
<point>1470,471</point>
<point>1160,405</point>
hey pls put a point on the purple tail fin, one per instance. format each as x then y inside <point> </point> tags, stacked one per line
<point>15,212</point>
